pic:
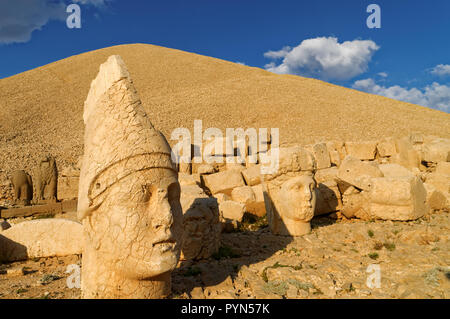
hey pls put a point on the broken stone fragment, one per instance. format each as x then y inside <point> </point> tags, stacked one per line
<point>397,198</point>
<point>436,150</point>
<point>41,238</point>
<point>357,173</point>
<point>223,182</point>
<point>386,147</point>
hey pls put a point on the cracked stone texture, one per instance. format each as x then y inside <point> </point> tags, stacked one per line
<point>129,195</point>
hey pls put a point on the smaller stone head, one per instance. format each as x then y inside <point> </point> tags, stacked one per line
<point>290,195</point>
<point>298,198</point>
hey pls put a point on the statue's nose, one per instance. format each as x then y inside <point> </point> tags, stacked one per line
<point>162,212</point>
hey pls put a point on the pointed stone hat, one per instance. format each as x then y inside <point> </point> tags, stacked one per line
<point>119,138</point>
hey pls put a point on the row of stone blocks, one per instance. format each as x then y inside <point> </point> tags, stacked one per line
<point>238,188</point>
<point>36,210</point>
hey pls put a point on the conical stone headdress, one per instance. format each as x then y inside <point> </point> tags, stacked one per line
<point>119,138</point>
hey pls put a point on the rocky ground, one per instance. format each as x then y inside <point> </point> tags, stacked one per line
<point>331,262</point>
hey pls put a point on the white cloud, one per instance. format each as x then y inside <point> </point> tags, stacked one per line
<point>324,58</point>
<point>278,54</point>
<point>441,70</point>
<point>435,95</point>
<point>383,74</point>
<point>19,18</point>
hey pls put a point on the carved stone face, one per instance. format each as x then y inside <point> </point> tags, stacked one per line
<point>298,198</point>
<point>292,203</point>
<point>137,227</point>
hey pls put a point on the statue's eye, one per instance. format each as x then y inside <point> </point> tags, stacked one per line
<point>146,193</point>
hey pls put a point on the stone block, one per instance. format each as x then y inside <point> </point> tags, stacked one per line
<point>52,208</point>
<point>395,170</point>
<point>252,175</point>
<point>326,174</point>
<point>397,198</point>
<point>406,155</point>
<point>204,169</point>
<point>437,150</point>
<point>337,152</point>
<point>68,206</point>
<point>439,181</point>
<point>436,199</point>
<point>258,207</point>
<point>231,210</point>
<point>321,155</point>
<point>386,148</point>
<point>361,150</point>
<point>223,182</point>
<point>41,238</point>
<point>16,212</point>
<point>357,173</point>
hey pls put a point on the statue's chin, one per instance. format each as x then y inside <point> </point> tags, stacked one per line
<point>160,263</point>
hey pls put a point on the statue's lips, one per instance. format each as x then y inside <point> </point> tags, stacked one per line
<point>165,239</point>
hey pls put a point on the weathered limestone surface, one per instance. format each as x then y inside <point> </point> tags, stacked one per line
<point>205,169</point>
<point>437,150</point>
<point>406,155</point>
<point>436,199</point>
<point>443,168</point>
<point>397,198</point>
<point>129,195</point>
<point>291,160</point>
<point>326,174</point>
<point>223,182</point>
<point>321,155</point>
<point>252,175</point>
<point>439,181</point>
<point>231,210</point>
<point>187,179</point>
<point>258,207</point>
<point>394,170</point>
<point>243,194</point>
<point>336,151</point>
<point>41,238</point>
<point>386,148</point>
<point>361,150</point>
<point>355,204</point>
<point>252,197</point>
<point>201,224</point>
<point>357,173</point>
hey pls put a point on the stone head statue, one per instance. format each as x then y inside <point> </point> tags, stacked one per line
<point>290,195</point>
<point>129,195</point>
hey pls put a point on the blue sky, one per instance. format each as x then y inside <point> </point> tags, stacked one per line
<point>408,58</point>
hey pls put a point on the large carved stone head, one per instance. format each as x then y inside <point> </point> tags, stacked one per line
<point>129,195</point>
<point>290,194</point>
